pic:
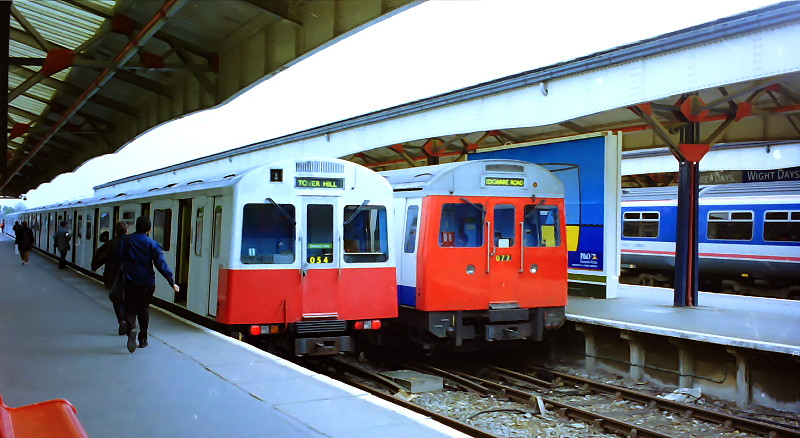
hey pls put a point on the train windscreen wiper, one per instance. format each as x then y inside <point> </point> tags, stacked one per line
<point>282,211</point>
<point>352,216</point>
<point>534,209</point>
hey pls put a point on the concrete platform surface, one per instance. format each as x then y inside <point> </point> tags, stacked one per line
<point>58,340</point>
<point>751,322</point>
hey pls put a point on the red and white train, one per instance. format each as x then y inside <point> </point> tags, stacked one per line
<point>483,254</point>
<point>299,247</point>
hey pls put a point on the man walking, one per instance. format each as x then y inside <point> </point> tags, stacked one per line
<point>24,241</point>
<point>139,253</point>
<point>61,240</point>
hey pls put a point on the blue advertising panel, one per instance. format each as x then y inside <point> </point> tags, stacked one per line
<point>580,165</point>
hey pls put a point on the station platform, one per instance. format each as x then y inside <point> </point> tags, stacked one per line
<point>765,324</point>
<point>58,339</point>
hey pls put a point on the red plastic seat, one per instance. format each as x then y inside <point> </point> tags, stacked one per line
<point>53,418</point>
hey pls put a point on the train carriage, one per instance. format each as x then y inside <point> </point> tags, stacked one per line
<point>297,247</point>
<point>482,251</point>
<point>749,236</point>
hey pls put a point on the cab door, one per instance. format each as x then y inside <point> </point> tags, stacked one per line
<point>319,266</point>
<point>503,252</point>
<point>543,273</point>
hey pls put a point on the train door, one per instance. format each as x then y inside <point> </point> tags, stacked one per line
<point>504,252</point>
<point>319,258</point>
<point>164,220</point>
<point>407,264</point>
<point>102,229</point>
<point>72,224</point>
<point>215,253</point>
<point>200,255</point>
<point>543,276</point>
<point>183,250</point>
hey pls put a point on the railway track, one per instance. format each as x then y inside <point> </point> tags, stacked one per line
<point>544,394</point>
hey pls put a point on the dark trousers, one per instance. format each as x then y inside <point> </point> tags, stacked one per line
<point>119,310</point>
<point>137,306</point>
<point>62,259</point>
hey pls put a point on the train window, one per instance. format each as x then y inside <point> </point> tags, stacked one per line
<point>162,227</point>
<point>504,229</point>
<point>410,244</point>
<point>319,231</point>
<point>105,224</point>
<point>365,234</point>
<point>782,226</point>
<point>129,218</point>
<point>461,226</point>
<point>640,224</point>
<point>268,233</point>
<point>730,225</point>
<point>541,226</point>
<point>198,233</point>
<point>217,238</point>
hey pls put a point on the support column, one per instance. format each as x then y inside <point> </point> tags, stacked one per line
<point>590,348</point>
<point>685,364</point>
<point>686,247</point>
<point>636,370</point>
<point>5,21</point>
<point>743,394</point>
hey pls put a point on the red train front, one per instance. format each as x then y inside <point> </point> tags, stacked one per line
<point>483,255</point>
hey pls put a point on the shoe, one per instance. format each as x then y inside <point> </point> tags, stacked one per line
<point>123,328</point>
<point>142,344</point>
<point>132,339</point>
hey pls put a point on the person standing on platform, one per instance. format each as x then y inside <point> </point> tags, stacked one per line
<point>61,242</point>
<point>2,226</point>
<point>107,255</point>
<point>24,241</point>
<point>15,228</point>
<point>139,253</point>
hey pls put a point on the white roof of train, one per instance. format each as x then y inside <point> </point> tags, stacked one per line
<point>469,178</point>
<point>789,189</point>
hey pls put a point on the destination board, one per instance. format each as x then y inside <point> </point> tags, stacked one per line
<point>503,182</point>
<point>318,183</point>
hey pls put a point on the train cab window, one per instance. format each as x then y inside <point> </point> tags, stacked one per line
<point>504,226</point>
<point>640,223</point>
<point>88,227</point>
<point>162,227</point>
<point>461,226</point>
<point>782,226</point>
<point>541,226</point>
<point>217,237</point>
<point>410,239</point>
<point>319,232</point>
<point>730,225</point>
<point>198,233</point>
<point>365,234</point>
<point>268,233</point>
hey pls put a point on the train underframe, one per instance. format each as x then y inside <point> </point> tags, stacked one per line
<point>467,329</point>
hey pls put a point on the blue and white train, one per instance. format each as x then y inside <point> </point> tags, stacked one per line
<point>749,237</point>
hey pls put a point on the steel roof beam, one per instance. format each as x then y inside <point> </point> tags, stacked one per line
<point>169,8</point>
<point>72,89</point>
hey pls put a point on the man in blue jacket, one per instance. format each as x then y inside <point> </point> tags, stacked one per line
<point>139,253</point>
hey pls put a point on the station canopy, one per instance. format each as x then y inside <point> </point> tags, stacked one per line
<point>165,59</point>
<point>87,76</point>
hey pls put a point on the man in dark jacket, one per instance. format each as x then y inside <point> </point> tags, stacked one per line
<point>108,255</point>
<point>24,241</point>
<point>61,242</point>
<point>139,253</point>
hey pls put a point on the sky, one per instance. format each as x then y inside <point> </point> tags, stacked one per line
<point>432,48</point>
